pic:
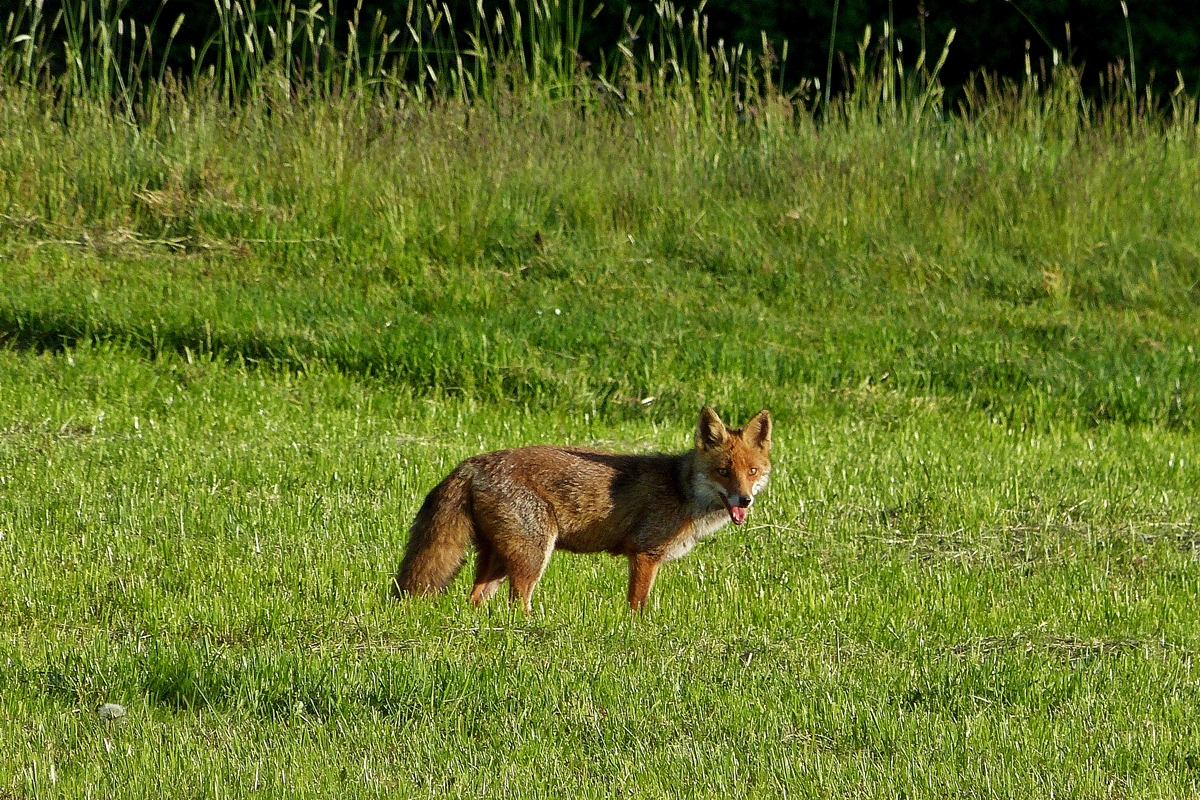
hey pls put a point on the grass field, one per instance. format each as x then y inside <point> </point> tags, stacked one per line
<point>240,344</point>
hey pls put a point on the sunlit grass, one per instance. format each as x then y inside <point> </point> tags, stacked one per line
<point>925,589</point>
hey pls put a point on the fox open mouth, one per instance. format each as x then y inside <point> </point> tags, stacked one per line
<point>736,513</point>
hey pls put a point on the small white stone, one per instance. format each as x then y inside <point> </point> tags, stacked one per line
<point>111,711</point>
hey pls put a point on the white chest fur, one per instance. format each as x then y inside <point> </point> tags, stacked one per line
<point>699,528</point>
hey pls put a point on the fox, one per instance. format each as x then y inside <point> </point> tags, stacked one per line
<point>516,507</point>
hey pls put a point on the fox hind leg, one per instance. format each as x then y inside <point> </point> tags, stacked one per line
<point>523,578</point>
<point>490,570</point>
<point>525,551</point>
<point>521,529</point>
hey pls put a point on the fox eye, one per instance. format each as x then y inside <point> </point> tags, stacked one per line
<point>754,470</point>
<point>724,473</point>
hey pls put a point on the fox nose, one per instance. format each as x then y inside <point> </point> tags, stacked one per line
<point>741,500</point>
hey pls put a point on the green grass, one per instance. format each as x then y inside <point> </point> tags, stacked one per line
<point>927,602</point>
<point>244,333</point>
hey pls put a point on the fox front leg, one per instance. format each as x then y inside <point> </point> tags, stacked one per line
<point>642,569</point>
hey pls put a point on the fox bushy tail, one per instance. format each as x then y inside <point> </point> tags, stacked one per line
<point>438,540</point>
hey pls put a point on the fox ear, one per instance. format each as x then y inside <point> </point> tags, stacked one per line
<point>710,431</point>
<point>757,432</point>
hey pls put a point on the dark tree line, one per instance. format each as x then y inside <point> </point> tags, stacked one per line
<point>991,35</point>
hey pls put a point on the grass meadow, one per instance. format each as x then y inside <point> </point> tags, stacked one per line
<point>249,316</point>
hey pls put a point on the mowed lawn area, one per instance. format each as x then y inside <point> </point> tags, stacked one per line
<point>238,347</point>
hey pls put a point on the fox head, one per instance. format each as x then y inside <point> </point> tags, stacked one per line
<point>733,462</point>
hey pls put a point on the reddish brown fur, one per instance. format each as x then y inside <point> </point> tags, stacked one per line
<point>518,506</point>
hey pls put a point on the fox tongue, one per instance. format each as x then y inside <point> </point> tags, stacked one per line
<point>738,514</point>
